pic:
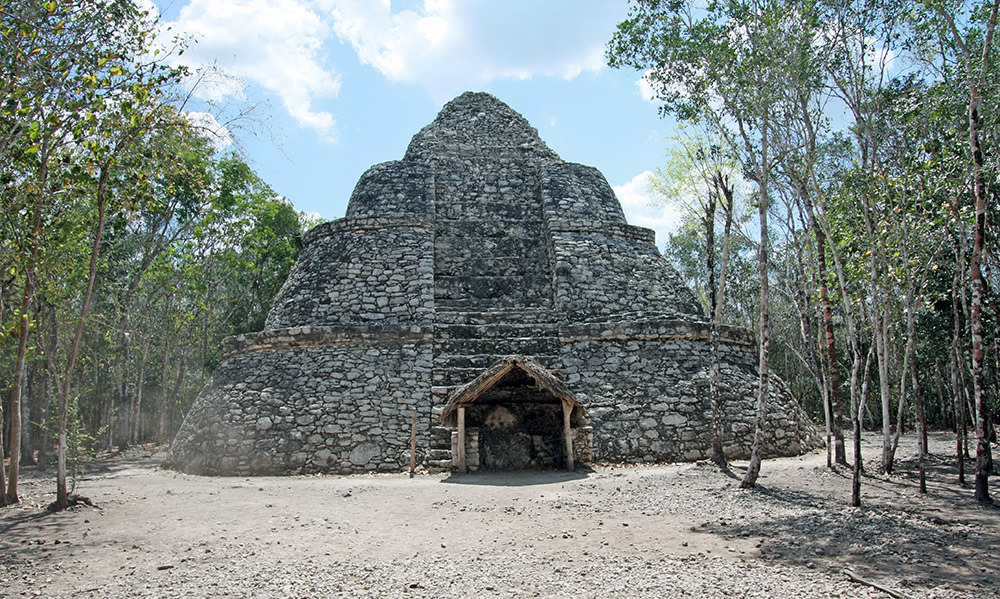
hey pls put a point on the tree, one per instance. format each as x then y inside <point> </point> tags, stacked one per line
<point>975,46</point>
<point>81,88</point>
<point>729,64</point>
<point>701,171</point>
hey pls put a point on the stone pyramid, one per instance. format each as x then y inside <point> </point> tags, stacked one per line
<point>480,254</point>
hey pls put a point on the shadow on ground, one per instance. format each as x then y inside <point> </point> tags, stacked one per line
<point>517,478</point>
<point>944,538</point>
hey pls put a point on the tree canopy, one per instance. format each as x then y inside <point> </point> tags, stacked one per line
<point>870,132</point>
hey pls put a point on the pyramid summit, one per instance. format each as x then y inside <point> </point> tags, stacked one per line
<point>496,296</point>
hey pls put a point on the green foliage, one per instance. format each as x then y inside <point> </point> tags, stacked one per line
<point>193,245</point>
<point>865,107</point>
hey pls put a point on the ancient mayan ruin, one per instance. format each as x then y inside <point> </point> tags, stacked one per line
<point>499,294</point>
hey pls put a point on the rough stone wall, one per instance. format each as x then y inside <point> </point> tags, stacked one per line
<point>393,188</point>
<point>320,399</point>
<point>377,270</point>
<point>603,265</point>
<point>579,193</point>
<point>490,245</point>
<point>647,394</point>
<point>614,271</point>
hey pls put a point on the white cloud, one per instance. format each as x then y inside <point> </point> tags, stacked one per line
<point>448,46</point>
<point>877,55</point>
<point>637,201</point>
<point>215,132</point>
<point>445,46</point>
<point>277,44</point>
<point>646,91</point>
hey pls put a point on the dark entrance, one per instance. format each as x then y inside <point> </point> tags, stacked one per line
<point>514,415</point>
<point>520,425</point>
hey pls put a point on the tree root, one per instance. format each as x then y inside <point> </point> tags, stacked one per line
<point>73,500</point>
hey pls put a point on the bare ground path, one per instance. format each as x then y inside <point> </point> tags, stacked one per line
<point>649,531</point>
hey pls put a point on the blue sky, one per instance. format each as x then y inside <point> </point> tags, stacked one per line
<point>336,86</point>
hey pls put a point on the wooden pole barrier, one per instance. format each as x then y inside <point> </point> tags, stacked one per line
<point>413,444</point>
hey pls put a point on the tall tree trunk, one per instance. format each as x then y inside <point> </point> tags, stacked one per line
<point>763,382</point>
<point>830,353</point>
<point>858,397</point>
<point>124,404</point>
<point>944,412</point>
<point>858,416</point>
<point>882,361</point>
<point>11,495</point>
<point>164,389</point>
<point>718,450</point>
<point>28,398</point>
<point>48,380</point>
<point>135,419</point>
<point>901,404</point>
<point>958,386</point>
<point>879,326</point>
<point>3,467</point>
<point>62,493</point>
<point>918,404</point>
<point>718,298</point>
<point>975,76</point>
<point>984,459</point>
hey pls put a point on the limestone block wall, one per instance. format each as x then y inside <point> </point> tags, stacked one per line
<point>393,188</point>
<point>361,269</point>
<point>316,399</point>
<point>465,123</point>
<point>646,390</point>
<point>602,265</point>
<point>577,192</point>
<point>605,269</point>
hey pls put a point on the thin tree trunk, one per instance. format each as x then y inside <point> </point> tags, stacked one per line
<point>984,459</point>
<point>918,404</point>
<point>763,382</point>
<point>136,417</point>
<point>879,325</point>
<point>28,398</point>
<point>718,451</point>
<point>959,415</point>
<point>901,404</point>
<point>942,392</point>
<point>164,393</point>
<point>62,494</point>
<point>3,467</point>
<point>48,381</point>
<point>830,353</point>
<point>123,404</point>
<point>858,397</point>
<point>11,495</point>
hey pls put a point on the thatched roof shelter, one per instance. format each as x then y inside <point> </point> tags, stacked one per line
<point>475,389</point>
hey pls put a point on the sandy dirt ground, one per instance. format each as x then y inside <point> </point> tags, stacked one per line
<point>675,530</point>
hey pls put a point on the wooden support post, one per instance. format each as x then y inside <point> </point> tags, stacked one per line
<point>413,444</point>
<point>462,467</point>
<point>568,433</point>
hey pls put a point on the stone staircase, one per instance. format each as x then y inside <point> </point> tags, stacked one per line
<point>468,342</point>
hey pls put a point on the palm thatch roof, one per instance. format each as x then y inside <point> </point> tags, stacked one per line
<point>473,390</point>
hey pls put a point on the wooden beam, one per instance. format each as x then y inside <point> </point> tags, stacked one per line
<point>568,433</point>
<point>413,444</point>
<point>462,466</point>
